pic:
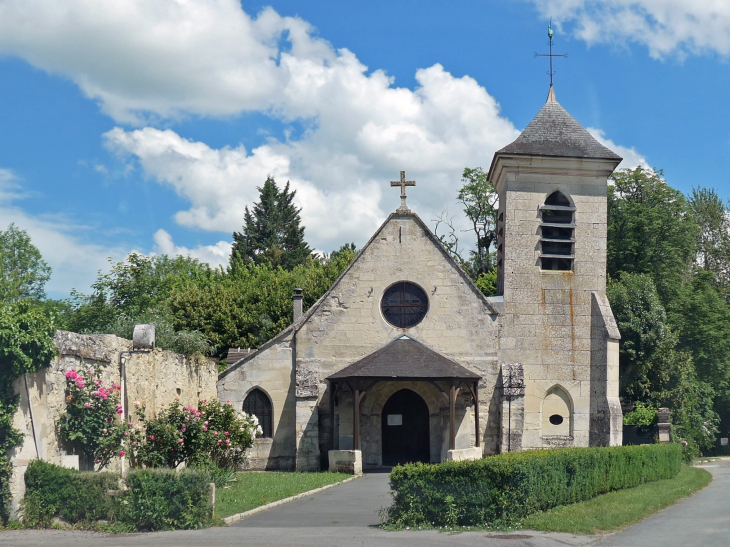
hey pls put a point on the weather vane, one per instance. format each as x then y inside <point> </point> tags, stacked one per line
<point>551,54</point>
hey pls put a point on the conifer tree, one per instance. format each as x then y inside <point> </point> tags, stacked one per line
<point>271,231</point>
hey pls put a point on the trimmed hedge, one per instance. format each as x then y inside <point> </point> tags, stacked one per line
<point>74,496</point>
<point>499,490</point>
<point>165,499</point>
<point>154,500</point>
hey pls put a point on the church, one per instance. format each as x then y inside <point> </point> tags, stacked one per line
<point>404,359</point>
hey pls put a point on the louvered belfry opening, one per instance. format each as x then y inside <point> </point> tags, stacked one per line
<point>557,233</point>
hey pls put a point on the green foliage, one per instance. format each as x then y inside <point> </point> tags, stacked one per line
<point>137,291</point>
<point>271,232</point>
<point>155,500</point>
<point>214,432</point>
<point>74,496</point>
<point>713,238</point>
<point>249,304</point>
<point>161,499</point>
<point>502,489</point>
<point>643,414</point>
<point>89,422</point>
<point>23,272</point>
<point>487,282</point>
<point>26,345</point>
<point>480,201</point>
<point>650,229</point>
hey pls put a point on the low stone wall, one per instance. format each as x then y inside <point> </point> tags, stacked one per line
<point>345,461</point>
<point>155,379</point>
<point>464,454</point>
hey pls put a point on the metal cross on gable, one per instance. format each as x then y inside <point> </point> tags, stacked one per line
<point>551,54</point>
<point>403,183</point>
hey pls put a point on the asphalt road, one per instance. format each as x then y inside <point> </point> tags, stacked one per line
<point>347,516</point>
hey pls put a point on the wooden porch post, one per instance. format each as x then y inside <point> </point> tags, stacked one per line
<point>333,386</point>
<point>476,412</point>
<point>452,416</point>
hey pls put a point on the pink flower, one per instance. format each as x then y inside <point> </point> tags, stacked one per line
<point>152,437</point>
<point>121,453</point>
<point>72,374</point>
<point>126,433</point>
<point>86,405</point>
<point>97,383</point>
<point>215,433</point>
<point>184,428</point>
<point>205,423</point>
<point>79,383</point>
<point>219,442</point>
<point>129,424</point>
<point>205,428</point>
<point>226,434</point>
<point>137,404</point>
<point>134,443</point>
<point>180,441</point>
<point>120,411</point>
<point>228,441</point>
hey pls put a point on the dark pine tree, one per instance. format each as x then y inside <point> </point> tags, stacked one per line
<point>271,231</point>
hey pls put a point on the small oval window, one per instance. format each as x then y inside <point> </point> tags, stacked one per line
<point>556,419</point>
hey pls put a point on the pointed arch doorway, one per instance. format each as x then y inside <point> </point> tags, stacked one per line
<point>405,429</point>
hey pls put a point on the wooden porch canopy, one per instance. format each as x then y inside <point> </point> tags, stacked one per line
<point>403,359</point>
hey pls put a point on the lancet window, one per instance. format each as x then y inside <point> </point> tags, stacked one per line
<point>557,233</point>
<point>258,404</point>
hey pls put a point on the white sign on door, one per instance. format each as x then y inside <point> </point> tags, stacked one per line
<point>395,419</point>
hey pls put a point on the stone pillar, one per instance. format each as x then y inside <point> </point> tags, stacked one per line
<point>307,420</point>
<point>297,301</point>
<point>664,421</point>
<point>513,407</point>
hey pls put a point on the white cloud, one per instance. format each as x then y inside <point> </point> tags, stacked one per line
<point>148,60</point>
<point>215,255</point>
<point>66,246</point>
<point>663,26</point>
<point>631,158</point>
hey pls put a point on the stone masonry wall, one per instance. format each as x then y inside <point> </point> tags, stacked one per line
<point>348,324</point>
<point>271,370</point>
<point>549,320</point>
<point>155,379</point>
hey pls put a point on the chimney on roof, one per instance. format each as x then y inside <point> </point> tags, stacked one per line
<point>297,297</point>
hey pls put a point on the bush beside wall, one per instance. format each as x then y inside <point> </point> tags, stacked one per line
<point>165,499</point>
<point>154,500</point>
<point>501,489</point>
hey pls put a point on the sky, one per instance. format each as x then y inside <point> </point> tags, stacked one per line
<point>147,125</point>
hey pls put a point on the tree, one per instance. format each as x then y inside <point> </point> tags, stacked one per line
<point>271,231</point>
<point>23,272</point>
<point>650,230</point>
<point>713,238</point>
<point>481,203</point>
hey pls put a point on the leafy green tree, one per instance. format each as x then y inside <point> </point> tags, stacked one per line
<point>481,204</point>
<point>23,272</point>
<point>272,233</point>
<point>713,239</point>
<point>249,304</point>
<point>650,230</point>
<point>137,291</point>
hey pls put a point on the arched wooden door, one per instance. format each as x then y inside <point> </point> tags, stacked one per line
<point>405,429</point>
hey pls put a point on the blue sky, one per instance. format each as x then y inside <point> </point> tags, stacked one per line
<point>146,125</point>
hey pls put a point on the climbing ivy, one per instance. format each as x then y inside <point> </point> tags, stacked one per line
<point>26,345</point>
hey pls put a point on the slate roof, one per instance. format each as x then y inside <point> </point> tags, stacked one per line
<point>554,132</point>
<point>405,358</point>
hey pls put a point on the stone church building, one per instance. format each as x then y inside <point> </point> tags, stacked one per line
<point>404,359</point>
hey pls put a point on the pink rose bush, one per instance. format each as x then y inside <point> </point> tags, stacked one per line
<point>90,420</point>
<point>191,435</point>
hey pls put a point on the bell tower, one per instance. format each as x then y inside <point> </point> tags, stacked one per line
<point>551,263</point>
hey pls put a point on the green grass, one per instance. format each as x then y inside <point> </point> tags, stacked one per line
<point>617,510</point>
<point>251,489</point>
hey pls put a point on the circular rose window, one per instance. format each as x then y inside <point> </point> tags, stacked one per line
<point>404,305</point>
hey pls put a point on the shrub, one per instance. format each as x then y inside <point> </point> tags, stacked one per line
<point>90,421</point>
<point>214,432</point>
<point>163,499</point>
<point>155,500</point>
<point>502,489</point>
<point>74,496</point>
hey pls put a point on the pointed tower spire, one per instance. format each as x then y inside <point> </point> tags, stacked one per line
<point>551,95</point>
